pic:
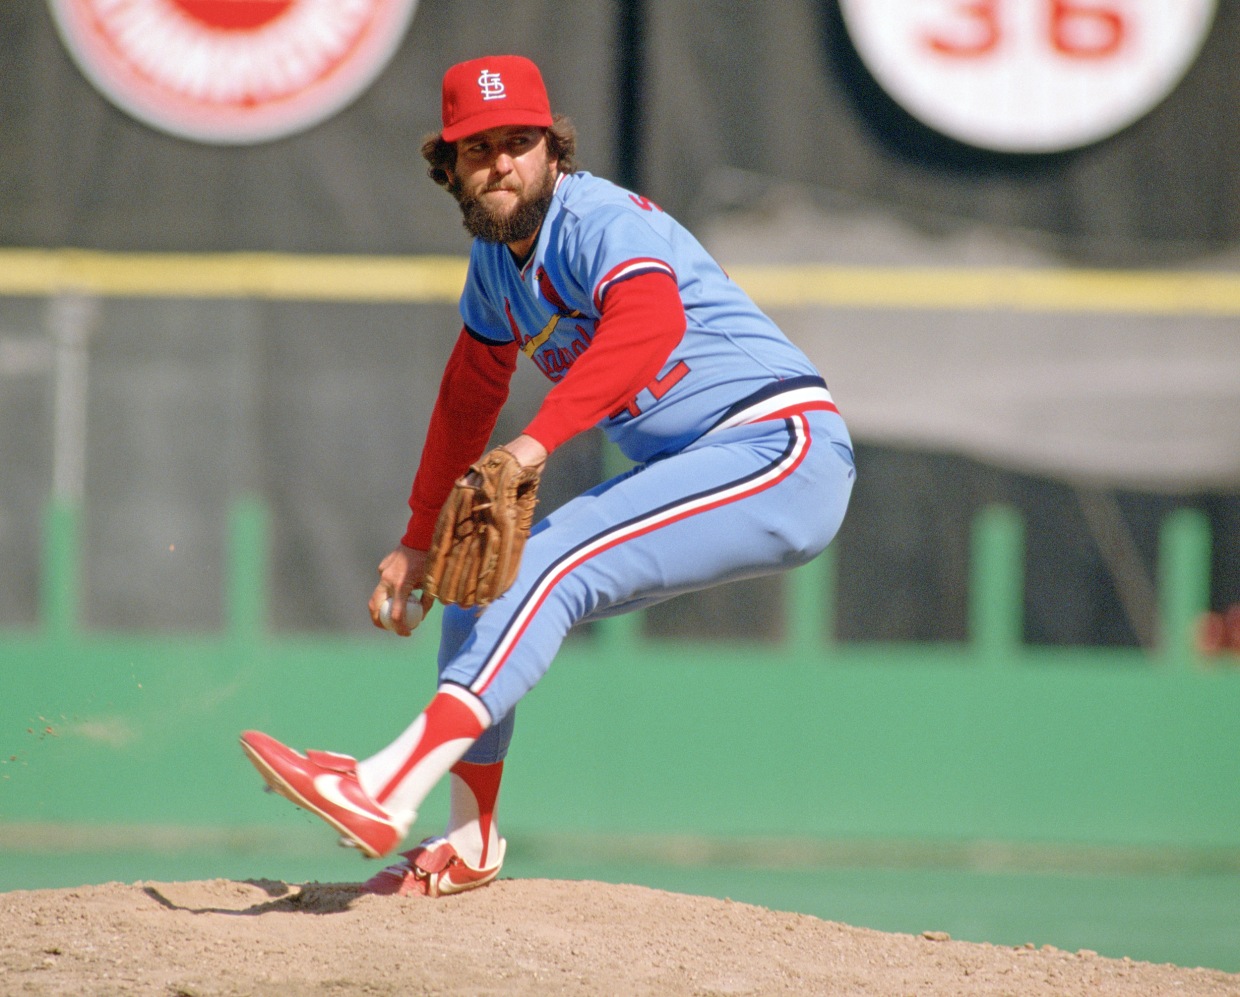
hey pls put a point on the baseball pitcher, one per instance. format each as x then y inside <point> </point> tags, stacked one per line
<point>743,464</point>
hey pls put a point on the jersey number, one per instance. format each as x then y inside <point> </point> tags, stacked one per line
<point>659,387</point>
<point>644,202</point>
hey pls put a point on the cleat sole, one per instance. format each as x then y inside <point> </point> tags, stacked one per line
<point>277,785</point>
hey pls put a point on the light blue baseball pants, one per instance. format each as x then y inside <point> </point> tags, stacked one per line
<point>740,502</point>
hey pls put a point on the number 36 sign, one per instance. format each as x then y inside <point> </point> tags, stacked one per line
<point>1028,75</point>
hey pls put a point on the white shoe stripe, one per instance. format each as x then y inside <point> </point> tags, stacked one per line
<point>328,786</point>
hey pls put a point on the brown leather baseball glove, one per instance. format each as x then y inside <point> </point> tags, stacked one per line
<point>481,531</point>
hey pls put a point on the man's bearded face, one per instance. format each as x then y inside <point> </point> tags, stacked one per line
<point>500,217</point>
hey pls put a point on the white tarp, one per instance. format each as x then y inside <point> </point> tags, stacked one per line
<point>1113,399</point>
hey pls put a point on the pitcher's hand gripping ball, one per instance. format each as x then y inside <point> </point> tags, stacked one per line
<point>413,614</point>
<point>481,531</point>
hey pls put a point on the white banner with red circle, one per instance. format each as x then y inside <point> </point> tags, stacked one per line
<point>1028,76</point>
<point>232,72</point>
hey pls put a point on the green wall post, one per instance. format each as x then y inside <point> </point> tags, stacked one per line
<point>1184,583</point>
<point>618,633</point>
<point>59,594</point>
<point>811,606</point>
<point>996,589</point>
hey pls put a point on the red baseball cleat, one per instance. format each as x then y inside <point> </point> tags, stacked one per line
<point>433,869</point>
<point>326,784</point>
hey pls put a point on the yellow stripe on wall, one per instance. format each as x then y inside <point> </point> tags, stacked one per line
<point>438,279</point>
<point>986,289</point>
<point>282,276</point>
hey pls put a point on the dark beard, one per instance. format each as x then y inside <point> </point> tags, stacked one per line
<point>521,224</point>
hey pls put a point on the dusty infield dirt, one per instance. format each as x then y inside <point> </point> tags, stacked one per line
<point>535,937</point>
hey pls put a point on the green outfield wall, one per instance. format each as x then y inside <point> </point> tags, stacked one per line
<point>818,745</point>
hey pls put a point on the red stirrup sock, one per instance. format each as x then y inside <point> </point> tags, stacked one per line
<point>471,819</point>
<point>400,776</point>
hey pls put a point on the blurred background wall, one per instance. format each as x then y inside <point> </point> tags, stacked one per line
<point>216,366</point>
<point>760,127</point>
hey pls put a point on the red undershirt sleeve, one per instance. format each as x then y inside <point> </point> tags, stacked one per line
<point>472,391</point>
<point>643,320</point>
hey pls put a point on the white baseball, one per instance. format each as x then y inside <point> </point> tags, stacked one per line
<point>413,614</point>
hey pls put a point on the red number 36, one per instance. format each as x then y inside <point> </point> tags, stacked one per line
<point>1075,29</point>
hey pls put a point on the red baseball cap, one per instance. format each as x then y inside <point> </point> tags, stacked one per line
<point>493,91</point>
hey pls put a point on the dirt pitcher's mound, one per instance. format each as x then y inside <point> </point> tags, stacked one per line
<point>536,937</point>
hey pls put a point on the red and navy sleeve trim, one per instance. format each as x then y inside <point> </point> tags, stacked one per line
<point>625,271</point>
<point>475,334</point>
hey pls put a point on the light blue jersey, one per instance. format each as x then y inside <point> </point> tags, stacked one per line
<point>595,235</point>
<point>744,463</point>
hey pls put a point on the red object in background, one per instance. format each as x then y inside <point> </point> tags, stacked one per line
<point>231,72</point>
<point>234,15</point>
<point>1219,633</point>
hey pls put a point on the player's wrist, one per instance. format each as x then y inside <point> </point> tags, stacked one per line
<point>527,451</point>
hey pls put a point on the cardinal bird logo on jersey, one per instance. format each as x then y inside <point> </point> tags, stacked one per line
<point>553,358</point>
<point>548,291</point>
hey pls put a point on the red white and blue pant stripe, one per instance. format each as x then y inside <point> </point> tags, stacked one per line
<point>763,491</point>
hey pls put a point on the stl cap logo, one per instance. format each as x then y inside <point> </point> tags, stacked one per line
<point>231,72</point>
<point>491,85</point>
